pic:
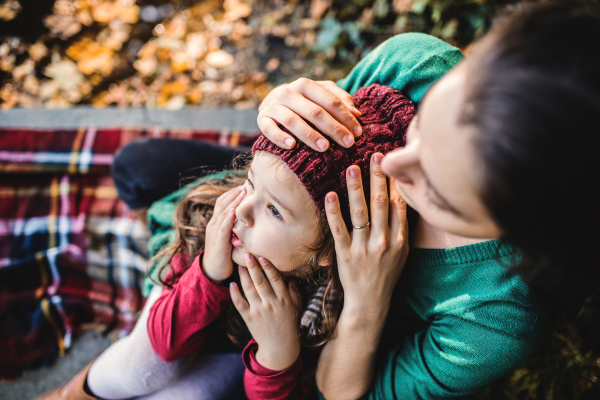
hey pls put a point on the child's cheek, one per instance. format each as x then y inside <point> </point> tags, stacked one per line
<point>238,257</point>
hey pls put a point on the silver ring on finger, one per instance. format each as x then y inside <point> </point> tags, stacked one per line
<point>361,227</point>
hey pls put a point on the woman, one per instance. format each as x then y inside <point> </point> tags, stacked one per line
<point>503,146</point>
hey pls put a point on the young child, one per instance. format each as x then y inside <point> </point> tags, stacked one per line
<point>274,222</point>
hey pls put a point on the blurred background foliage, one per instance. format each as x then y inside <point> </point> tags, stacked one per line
<point>172,54</point>
<point>176,53</point>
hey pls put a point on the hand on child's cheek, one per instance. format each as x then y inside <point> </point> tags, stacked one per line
<point>217,264</point>
<point>271,313</point>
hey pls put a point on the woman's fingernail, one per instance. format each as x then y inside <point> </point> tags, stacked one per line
<point>356,110</point>
<point>248,257</point>
<point>289,143</point>
<point>262,260</point>
<point>353,171</point>
<point>377,158</point>
<point>357,130</point>
<point>348,140</point>
<point>322,144</point>
<point>232,285</point>
<point>330,198</point>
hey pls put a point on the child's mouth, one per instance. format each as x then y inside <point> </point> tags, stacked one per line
<point>235,241</point>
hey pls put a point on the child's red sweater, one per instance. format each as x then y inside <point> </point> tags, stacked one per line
<point>180,322</point>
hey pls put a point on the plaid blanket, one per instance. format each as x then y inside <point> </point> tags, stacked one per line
<point>71,255</point>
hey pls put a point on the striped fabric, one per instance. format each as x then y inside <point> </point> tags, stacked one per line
<point>312,322</point>
<point>71,254</point>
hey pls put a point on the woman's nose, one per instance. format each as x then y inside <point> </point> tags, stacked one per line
<point>243,212</point>
<point>400,164</point>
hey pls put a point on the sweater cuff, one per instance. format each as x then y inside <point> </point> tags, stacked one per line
<point>253,366</point>
<point>220,293</point>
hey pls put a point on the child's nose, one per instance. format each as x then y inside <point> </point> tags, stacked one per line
<point>244,211</point>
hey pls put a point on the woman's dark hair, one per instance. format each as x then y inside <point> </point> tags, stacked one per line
<point>535,104</point>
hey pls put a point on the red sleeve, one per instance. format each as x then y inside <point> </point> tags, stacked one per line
<point>179,321</point>
<point>264,383</point>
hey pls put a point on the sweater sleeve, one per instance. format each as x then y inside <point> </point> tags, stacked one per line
<point>263,383</point>
<point>409,62</point>
<point>180,320</point>
<point>462,350</point>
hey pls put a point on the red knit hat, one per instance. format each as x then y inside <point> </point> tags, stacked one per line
<point>386,114</point>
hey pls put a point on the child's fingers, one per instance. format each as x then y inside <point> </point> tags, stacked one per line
<point>234,203</point>
<point>223,241</point>
<point>249,289</point>
<point>238,301</point>
<point>277,283</point>
<point>336,223</point>
<point>226,198</point>
<point>260,281</point>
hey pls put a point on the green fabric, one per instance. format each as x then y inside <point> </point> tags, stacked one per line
<point>410,62</point>
<point>160,223</point>
<point>457,322</point>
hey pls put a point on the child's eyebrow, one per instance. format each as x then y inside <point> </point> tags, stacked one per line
<point>274,198</point>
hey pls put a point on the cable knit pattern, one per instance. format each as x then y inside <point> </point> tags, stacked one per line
<point>386,114</point>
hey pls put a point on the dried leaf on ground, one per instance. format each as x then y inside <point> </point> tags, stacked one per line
<point>9,9</point>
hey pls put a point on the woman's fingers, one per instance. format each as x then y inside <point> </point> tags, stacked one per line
<point>293,120</point>
<point>329,108</point>
<point>275,279</point>
<point>398,222</point>
<point>336,223</point>
<point>331,103</point>
<point>238,301</point>
<point>344,96</point>
<point>380,202</point>
<point>359,212</point>
<point>271,130</point>
<point>261,284</point>
<point>248,286</point>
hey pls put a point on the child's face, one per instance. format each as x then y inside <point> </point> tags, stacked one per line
<point>277,219</point>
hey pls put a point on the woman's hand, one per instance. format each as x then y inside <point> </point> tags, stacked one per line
<point>330,109</point>
<point>217,264</point>
<point>271,313</point>
<point>370,261</point>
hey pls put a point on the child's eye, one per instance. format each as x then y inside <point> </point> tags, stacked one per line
<point>275,212</point>
<point>249,182</point>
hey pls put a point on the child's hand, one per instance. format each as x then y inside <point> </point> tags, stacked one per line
<point>217,264</point>
<point>271,313</point>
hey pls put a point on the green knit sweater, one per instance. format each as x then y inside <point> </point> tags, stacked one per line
<point>457,321</point>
